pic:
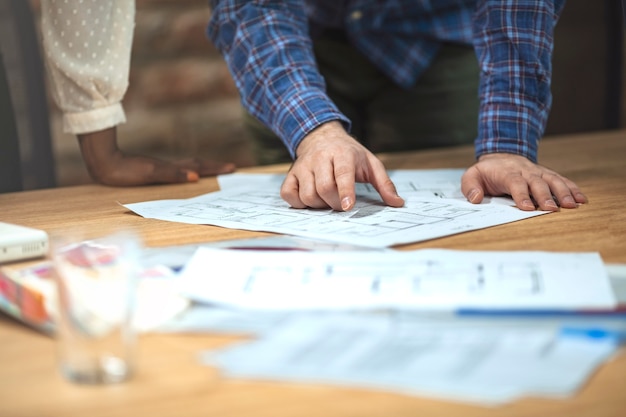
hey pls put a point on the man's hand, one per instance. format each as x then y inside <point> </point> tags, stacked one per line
<point>328,164</point>
<point>108,165</point>
<point>526,182</point>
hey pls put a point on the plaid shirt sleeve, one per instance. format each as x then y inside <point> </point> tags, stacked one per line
<point>269,52</point>
<point>514,41</point>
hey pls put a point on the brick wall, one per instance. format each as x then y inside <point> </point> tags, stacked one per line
<point>181,99</point>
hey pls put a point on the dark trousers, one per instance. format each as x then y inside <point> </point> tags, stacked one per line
<point>441,109</point>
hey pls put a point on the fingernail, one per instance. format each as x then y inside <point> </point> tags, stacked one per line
<point>346,204</point>
<point>472,195</point>
<point>581,197</point>
<point>192,176</point>
<point>528,203</point>
<point>551,204</point>
<point>568,201</point>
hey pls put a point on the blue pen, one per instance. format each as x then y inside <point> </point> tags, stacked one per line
<point>619,313</point>
<point>617,336</point>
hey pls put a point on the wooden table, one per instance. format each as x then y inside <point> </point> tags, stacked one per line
<point>170,381</point>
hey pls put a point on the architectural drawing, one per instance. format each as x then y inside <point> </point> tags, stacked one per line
<point>432,209</point>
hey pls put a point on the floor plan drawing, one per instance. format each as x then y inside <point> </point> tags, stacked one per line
<point>370,223</point>
<point>389,279</point>
<point>419,279</point>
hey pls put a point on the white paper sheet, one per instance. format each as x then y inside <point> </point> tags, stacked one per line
<point>415,280</point>
<point>490,363</point>
<point>204,318</point>
<point>434,208</point>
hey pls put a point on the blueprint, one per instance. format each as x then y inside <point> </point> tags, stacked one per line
<point>434,207</point>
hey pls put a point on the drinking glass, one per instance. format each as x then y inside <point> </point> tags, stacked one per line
<point>96,288</point>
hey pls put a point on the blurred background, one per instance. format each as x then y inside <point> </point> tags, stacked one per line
<point>182,101</point>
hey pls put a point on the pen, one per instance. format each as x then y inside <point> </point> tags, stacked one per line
<point>618,312</point>
<point>617,336</point>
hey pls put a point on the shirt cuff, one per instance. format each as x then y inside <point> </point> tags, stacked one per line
<point>507,128</point>
<point>94,120</point>
<point>296,121</point>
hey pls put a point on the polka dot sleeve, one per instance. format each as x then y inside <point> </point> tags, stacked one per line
<point>87,46</point>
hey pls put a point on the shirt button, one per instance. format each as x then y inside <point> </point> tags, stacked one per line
<point>356,15</point>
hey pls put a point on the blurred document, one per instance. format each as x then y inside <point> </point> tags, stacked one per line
<point>422,279</point>
<point>434,207</point>
<point>490,363</point>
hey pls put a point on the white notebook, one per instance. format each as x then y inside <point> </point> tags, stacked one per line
<point>21,242</point>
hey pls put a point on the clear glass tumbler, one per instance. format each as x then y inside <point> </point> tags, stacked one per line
<point>96,288</point>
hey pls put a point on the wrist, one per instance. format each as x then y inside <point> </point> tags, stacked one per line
<point>496,155</point>
<point>323,131</point>
<point>99,150</point>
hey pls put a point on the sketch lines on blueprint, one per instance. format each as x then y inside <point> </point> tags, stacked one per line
<point>423,278</point>
<point>369,218</point>
<point>431,210</point>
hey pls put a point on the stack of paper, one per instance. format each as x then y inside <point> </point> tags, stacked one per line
<point>410,322</point>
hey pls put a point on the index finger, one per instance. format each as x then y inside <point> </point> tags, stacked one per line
<point>345,173</point>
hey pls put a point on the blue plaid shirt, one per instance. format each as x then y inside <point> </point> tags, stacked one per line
<point>268,48</point>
